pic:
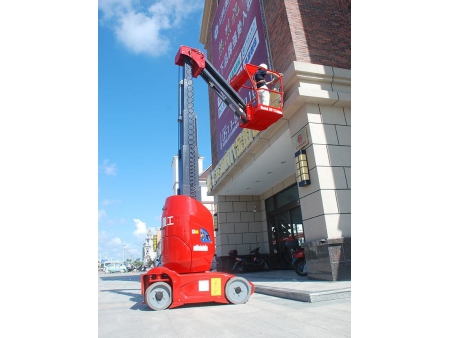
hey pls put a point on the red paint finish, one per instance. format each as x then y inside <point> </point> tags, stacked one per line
<point>185,287</point>
<point>187,239</point>
<point>187,235</point>
<point>259,116</point>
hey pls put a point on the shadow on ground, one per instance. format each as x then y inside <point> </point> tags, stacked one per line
<point>121,277</point>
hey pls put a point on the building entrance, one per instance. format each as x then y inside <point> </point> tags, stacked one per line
<point>285,226</point>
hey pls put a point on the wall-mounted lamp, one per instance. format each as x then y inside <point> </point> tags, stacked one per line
<point>302,171</point>
<point>216,218</point>
<point>254,208</point>
<point>216,223</point>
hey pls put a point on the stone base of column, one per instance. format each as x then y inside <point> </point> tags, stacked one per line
<point>329,259</point>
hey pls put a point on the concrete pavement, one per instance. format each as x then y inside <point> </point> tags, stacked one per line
<point>121,312</point>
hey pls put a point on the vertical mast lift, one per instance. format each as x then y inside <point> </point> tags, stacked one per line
<point>187,230</point>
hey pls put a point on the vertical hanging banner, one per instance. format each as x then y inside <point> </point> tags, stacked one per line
<point>238,38</point>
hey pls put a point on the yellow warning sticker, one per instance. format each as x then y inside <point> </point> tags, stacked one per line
<point>216,286</point>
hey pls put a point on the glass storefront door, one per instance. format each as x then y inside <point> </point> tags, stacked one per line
<point>285,226</point>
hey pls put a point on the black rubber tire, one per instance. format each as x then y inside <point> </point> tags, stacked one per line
<point>241,268</point>
<point>299,267</point>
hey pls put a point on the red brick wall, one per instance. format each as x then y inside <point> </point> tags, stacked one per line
<point>327,30</point>
<point>281,47</point>
<point>312,31</point>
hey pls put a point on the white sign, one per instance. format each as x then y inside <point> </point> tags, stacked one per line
<point>203,285</point>
<point>200,248</point>
<point>300,139</point>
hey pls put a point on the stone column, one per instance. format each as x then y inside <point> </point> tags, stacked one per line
<point>317,105</point>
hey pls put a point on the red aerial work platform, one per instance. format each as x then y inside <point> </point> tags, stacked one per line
<point>187,251</point>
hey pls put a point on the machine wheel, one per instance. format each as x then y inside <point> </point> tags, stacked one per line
<point>238,290</point>
<point>159,296</point>
<point>265,266</point>
<point>300,267</point>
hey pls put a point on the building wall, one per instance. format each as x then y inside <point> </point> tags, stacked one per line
<point>318,98</point>
<point>209,11</point>
<point>239,226</point>
<point>311,31</point>
<point>310,44</point>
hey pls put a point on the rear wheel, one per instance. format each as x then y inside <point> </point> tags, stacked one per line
<point>300,267</point>
<point>241,268</point>
<point>159,296</point>
<point>237,290</point>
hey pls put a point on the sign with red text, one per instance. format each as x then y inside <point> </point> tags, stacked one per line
<point>300,139</point>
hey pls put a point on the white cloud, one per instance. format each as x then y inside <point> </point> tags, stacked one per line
<point>109,169</point>
<point>141,34</point>
<point>109,246</point>
<point>141,228</point>
<point>101,214</point>
<point>111,8</point>
<point>108,202</point>
<point>115,241</point>
<point>144,26</point>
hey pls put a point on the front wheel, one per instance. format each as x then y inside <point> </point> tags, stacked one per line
<point>159,296</point>
<point>300,267</point>
<point>238,290</point>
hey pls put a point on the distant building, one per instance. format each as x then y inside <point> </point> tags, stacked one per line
<point>148,252</point>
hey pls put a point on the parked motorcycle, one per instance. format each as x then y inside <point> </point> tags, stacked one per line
<point>295,256</point>
<point>141,268</point>
<point>258,262</point>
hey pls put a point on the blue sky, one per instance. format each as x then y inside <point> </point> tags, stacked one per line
<point>137,115</point>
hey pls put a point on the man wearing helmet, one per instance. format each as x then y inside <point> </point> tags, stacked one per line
<point>261,84</point>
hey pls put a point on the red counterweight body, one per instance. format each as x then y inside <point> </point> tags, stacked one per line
<point>187,240</point>
<point>187,235</point>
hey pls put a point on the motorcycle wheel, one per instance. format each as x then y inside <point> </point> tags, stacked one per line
<point>300,267</point>
<point>241,268</point>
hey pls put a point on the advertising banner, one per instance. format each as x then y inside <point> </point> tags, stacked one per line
<point>238,38</point>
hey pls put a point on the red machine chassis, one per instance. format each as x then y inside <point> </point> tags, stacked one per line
<point>201,287</point>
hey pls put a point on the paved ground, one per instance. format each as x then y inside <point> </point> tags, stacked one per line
<point>287,284</point>
<point>122,314</point>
